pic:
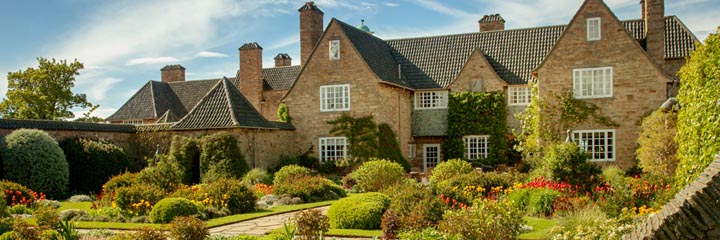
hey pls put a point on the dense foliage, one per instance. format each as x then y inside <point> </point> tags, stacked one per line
<point>92,162</point>
<point>568,162</point>
<point>311,224</point>
<point>185,152</point>
<point>448,169</point>
<point>473,113</point>
<point>388,147</point>
<point>699,118</point>
<point>168,209</point>
<point>283,113</point>
<point>297,181</point>
<point>484,220</point>
<point>44,92</point>
<point>165,175</point>
<point>188,228</point>
<point>360,211</point>
<point>414,204</point>
<point>657,149</point>
<point>221,157</point>
<point>361,134</point>
<point>376,175</point>
<point>34,159</point>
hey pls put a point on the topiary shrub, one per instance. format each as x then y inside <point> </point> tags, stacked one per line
<point>657,149</point>
<point>375,175</point>
<point>167,209</point>
<point>92,162</point>
<point>290,172</point>
<point>448,169</point>
<point>486,219</point>
<point>34,159</point>
<point>389,147</point>
<point>566,162</point>
<point>257,175</point>
<point>233,193</point>
<point>185,152</point>
<point>188,228</point>
<point>221,157</point>
<point>361,211</point>
<point>143,196</point>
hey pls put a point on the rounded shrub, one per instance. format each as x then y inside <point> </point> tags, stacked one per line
<point>449,169</point>
<point>188,228</point>
<point>361,211</point>
<point>567,162</point>
<point>167,209</point>
<point>185,151</point>
<point>233,193</point>
<point>118,181</point>
<point>34,159</point>
<point>221,157</point>
<point>375,175</point>
<point>15,193</point>
<point>290,172</point>
<point>311,189</point>
<point>257,175</point>
<point>92,162</point>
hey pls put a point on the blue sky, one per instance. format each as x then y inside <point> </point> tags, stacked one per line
<point>123,44</point>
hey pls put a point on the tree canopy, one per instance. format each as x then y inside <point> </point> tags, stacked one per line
<point>44,92</point>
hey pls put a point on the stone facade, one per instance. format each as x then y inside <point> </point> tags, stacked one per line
<point>638,85</point>
<point>694,213</point>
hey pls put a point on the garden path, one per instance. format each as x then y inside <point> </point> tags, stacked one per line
<point>261,226</point>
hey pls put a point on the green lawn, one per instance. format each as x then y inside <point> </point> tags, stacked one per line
<point>541,227</point>
<point>211,223</point>
<point>335,232</point>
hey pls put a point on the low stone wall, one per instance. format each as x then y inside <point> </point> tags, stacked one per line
<point>694,213</point>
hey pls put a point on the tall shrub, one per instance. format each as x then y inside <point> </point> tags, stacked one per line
<point>698,122</point>
<point>657,151</point>
<point>220,157</point>
<point>34,159</point>
<point>185,151</point>
<point>388,147</point>
<point>567,162</point>
<point>92,162</point>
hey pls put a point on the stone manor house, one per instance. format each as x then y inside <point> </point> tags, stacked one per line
<point>626,67</point>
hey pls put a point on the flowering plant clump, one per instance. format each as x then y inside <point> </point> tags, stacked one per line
<point>263,189</point>
<point>18,194</point>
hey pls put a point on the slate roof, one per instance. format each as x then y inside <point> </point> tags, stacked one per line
<point>223,107</point>
<point>67,126</point>
<point>376,53</point>
<point>280,78</point>
<point>434,62</point>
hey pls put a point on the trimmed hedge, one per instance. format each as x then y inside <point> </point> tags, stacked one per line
<point>33,158</point>
<point>92,162</point>
<point>361,211</point>
<point>221,157</point>
<point>167,209</point>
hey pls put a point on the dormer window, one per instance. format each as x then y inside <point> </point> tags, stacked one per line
<point>334,49</point>
<point>593,29</point>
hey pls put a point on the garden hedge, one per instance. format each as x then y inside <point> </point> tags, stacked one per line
<point>92,162</point>
<point>221,157</point>
<point>361,211</point>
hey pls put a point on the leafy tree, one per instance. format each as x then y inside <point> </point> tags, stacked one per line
<point>43,92</point>
<point>699,117</point>
<point>361,134</point>
<point>657,151</point>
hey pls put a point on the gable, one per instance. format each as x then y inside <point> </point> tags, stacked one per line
<point>477,75</point>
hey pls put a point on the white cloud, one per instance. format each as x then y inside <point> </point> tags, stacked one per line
<point>439,7</point>
<point>101,112</point>
<point>207,54</point>
<point>100,88</point>
<point>389,4</point>
<point>284,42</point>
<point>151,60</point>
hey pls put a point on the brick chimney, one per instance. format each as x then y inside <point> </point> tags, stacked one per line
<point>283,60</point>
<point>172,73</point>
<point>311,29</point>
<point>492,22</point>
<point>653,14</point>
<point>250,74</point>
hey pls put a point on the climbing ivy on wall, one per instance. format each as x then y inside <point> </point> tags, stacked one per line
<point>473,113</point>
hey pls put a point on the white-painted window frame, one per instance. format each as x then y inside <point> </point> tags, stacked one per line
<point>476,146</point>
<point>334,98</point>
<point>431,159</point>
<point>431,99</point>
<point>593,82</point>
<point>519,95</point>
<point>600,144</point>
<point>332,148</point>
<point>594,29</point>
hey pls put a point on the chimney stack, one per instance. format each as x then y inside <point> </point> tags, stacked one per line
<point>492,22</point>
<point>283,60</point>
<point>250,74</point>
<point>311,29</point>
<point>653,14</point>
<point>172,73</point>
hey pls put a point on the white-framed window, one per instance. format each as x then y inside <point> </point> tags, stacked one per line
<point>333,148</point>
<point>593,29</point>
<point>431,100</point>
<point>476,146</point>
<point>412,150</point>
<point>335,98</point>
<point>431,156</point>
<point>593,82</point>
<point>519,96</point>
<point>599,144</point>
<point>334,49</point>
<point>133,121</point>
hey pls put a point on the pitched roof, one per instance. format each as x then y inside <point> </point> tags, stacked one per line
<point>376,53</point>
<point>62,125</point>
<point>434,62</point>
<point>280,78</point>
<point>223,107</point>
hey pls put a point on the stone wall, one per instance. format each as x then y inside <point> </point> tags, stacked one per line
<point>694,213</point>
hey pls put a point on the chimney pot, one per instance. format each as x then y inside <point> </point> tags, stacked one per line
<point>492,22</point>
<point>172,73</point>
<point>250,78</point>
<point>283,60</point>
